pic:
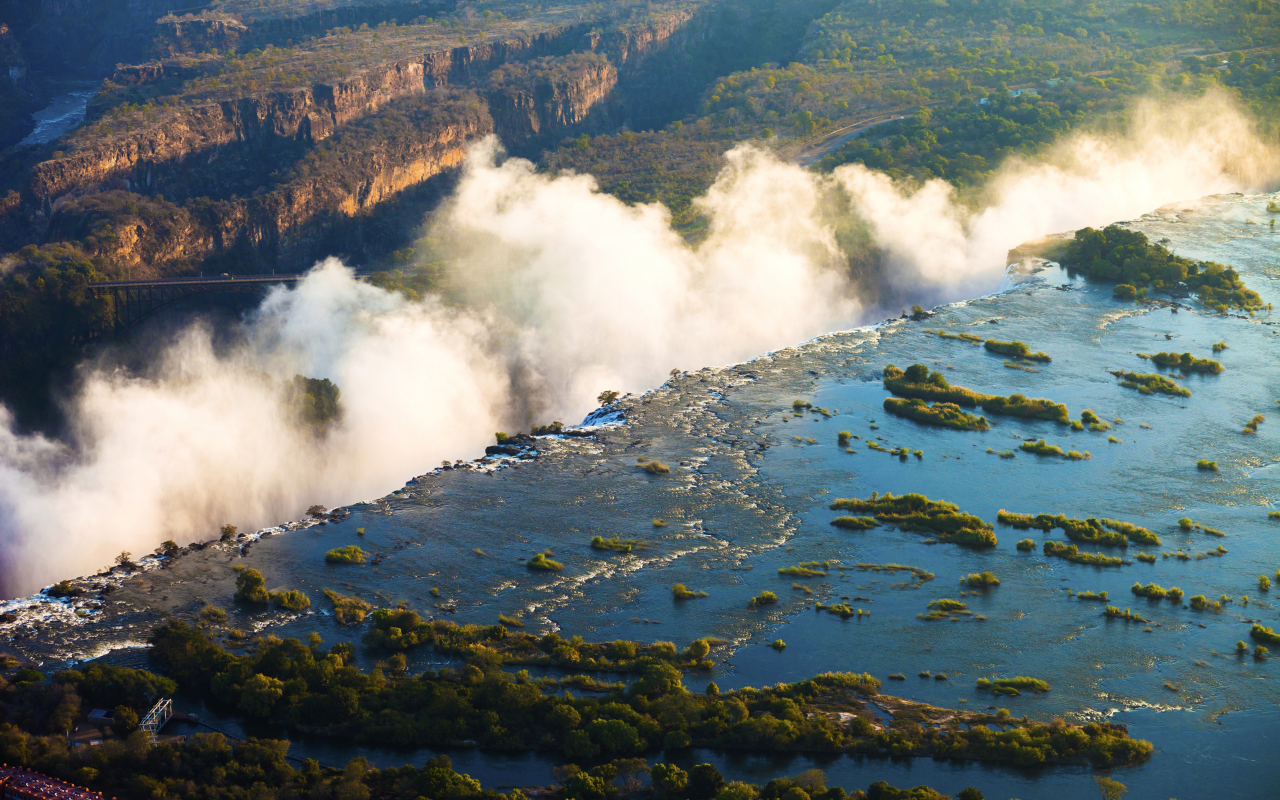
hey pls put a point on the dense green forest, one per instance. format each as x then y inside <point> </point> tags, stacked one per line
<point>610,729</point>
<point>1128,259</point>
<point>976,82</point>
<point>309,689</point>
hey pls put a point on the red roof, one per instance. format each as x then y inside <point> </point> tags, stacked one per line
<point>23,784</point>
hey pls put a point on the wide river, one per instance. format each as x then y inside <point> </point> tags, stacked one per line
<point>748,493</point>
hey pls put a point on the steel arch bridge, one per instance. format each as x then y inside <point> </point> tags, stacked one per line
<point>137,300</point>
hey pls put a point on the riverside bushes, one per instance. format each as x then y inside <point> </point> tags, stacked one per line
<point>963,337</point>
<point>301,687</point>
<point>226,769</point>
<point>1150,384</point>
<point>1153,592</point>
<point>291,600</point>
<point>917,513</point>
<point>682,592</point>
<point>1072,553</point>
<point>945,608</point>
<point>1133,533</point>
<point>841,610</point>
<point>916,381</point>
<point>1201,603</point>
<point>1185,362</point>
<point>1041,448</point>
<point>1113,612</point>
<point>1090,531</point>
<point>1116,254</point>
<point>919,383</point>
<point>855,523</point>
<point>542,563</point>
<point>1015,350</point>
<point>351,554</point>
<point>944,415</point>
<point>1263,634</point>
<point>616,545</point>
<point>347,610</point>
<point>809,570</point>
<point>229,769</point>
<point>1017,405</point>
<point>922,576</point>
<point>1109,532</point>
<point>1012,686</point>
<point>251,587</point>
<point>981,580</point>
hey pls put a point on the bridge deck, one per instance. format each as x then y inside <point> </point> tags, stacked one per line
<point>136,300</point>
<point>291,277</point>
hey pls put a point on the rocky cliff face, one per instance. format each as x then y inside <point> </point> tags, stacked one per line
<point>289,226</point>
<point>313,212</point>
<point>169,151</point>
<point>196,33</point>
<point>174,140</point>
<point>533,102</point>
<point>131,236</point>
<point>15,104</point>
<point>11,60</point>
<point>223,162</point>
<point>278,30</point>
<point>177,140</point>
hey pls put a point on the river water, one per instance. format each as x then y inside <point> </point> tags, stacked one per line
<point>63,113</point>
<point>748,492</point>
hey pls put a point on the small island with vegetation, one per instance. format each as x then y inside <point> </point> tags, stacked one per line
<point>1186,362</point>
<point>1127,258</point>
<point>980,580</point>
<point>1015,350</point>
<point>918,382</point>
<point>916,513</point>
<point>944,415</point>
<point>1012,686</point>
<point>617,545</point>
<point>351,554</point>
<point>681,592</point>
<point>1147,383</point>
<point>1071,552</point>
<point>1110,532</point>
<point>542,563</point>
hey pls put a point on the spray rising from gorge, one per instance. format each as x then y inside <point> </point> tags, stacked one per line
<point>560,292</point>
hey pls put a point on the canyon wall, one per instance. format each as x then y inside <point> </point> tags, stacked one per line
<point>534,103</point>
<point>279,178</point>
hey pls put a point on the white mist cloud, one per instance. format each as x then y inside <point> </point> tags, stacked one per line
<point>571,292</point>
<point>206,439</point>
<point>1171,153</point>
<point>600,295</point>
<point>561,292</point>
